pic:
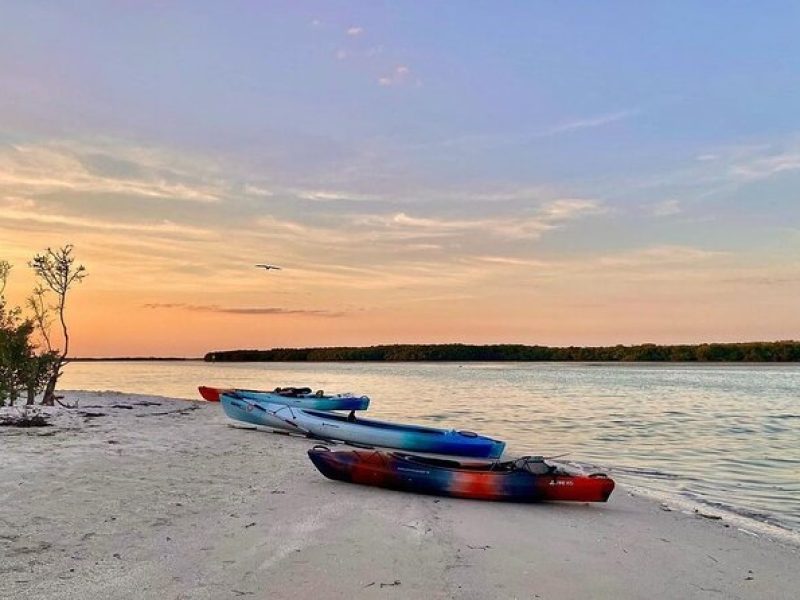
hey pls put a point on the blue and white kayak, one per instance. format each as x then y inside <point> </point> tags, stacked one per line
<point>300,397</point>
<point>333,426</point>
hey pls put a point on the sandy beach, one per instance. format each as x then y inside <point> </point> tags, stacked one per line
<point>146,497</point>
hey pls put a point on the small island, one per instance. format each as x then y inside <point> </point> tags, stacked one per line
<point>758,352</point>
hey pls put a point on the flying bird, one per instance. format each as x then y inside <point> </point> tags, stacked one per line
<point>268,267</point>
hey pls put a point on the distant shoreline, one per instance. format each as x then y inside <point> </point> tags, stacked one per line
<point>738,352</point>
<point>751,352</point>
<point>132,358</point>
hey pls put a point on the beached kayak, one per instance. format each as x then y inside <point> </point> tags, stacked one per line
<point>347,428</point>
<point>300,397</point>
<point>394,435</point>
<point>277,416</point>
<point>523,480</point>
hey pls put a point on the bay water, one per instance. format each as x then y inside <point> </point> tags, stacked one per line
<point>721,437</point>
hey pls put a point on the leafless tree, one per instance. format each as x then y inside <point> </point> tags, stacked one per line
<point>41,315</point>
<point>57,273</point>
<point>6,386</point>
<point>5,267</point>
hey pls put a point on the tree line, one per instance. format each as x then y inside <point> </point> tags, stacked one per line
<point>32,354</point>
<point>783,351</point>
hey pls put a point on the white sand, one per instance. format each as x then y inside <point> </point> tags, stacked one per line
<point>171,501</point>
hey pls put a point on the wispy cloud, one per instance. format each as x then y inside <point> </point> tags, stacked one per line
<point>666,254</point>
<point>494,140</point>
<point>725,170</point>
<point>565,209</point>
<point>596,121</point>
<point>28,211</point>
<point>331,195</point>
<point>256,311</point>
<point>764,280</point>
<point>766,166</point>
<point>642,263</point>
<point>667,208</point>
<point>355,31</point>
<point>255,190</point>
<point>61,166</point>
<point>400,75</point>
<point>517,226</point>
<point>514,261</point>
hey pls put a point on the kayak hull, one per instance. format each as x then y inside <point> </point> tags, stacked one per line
<point>409,473</point>
<point>338,402</point>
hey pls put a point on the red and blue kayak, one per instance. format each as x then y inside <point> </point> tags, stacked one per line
<point>523,480</point>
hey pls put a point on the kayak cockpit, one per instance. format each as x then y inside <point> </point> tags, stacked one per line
<point>330,416</point>
<point>535,465</point>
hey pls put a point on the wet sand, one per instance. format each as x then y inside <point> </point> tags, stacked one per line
<point>145,497</point>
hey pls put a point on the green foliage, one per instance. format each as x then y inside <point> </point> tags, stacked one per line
<point>24,368</point>
<point>785,351</point>
<point>17,355</point>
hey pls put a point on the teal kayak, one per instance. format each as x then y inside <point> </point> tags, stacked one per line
<point>299,397</point>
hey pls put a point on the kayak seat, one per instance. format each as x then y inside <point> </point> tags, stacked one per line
<point>292,392</point>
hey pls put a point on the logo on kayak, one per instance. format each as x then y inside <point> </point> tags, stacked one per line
<point>330,425</point>
<point>249,407</point>
<point>561,482</point>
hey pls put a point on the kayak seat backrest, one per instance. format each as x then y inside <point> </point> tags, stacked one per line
<point>292,392</point>
<point>534,465</point>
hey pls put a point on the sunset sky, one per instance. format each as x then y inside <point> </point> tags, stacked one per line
<point>484,172</point>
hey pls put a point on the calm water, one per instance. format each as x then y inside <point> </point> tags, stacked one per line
<point>726,436</point>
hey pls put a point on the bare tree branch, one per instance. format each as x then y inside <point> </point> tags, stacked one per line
<point>5,267</point>
<point>41,314</point>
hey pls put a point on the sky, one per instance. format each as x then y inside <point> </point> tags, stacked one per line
<point>530,172</point>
